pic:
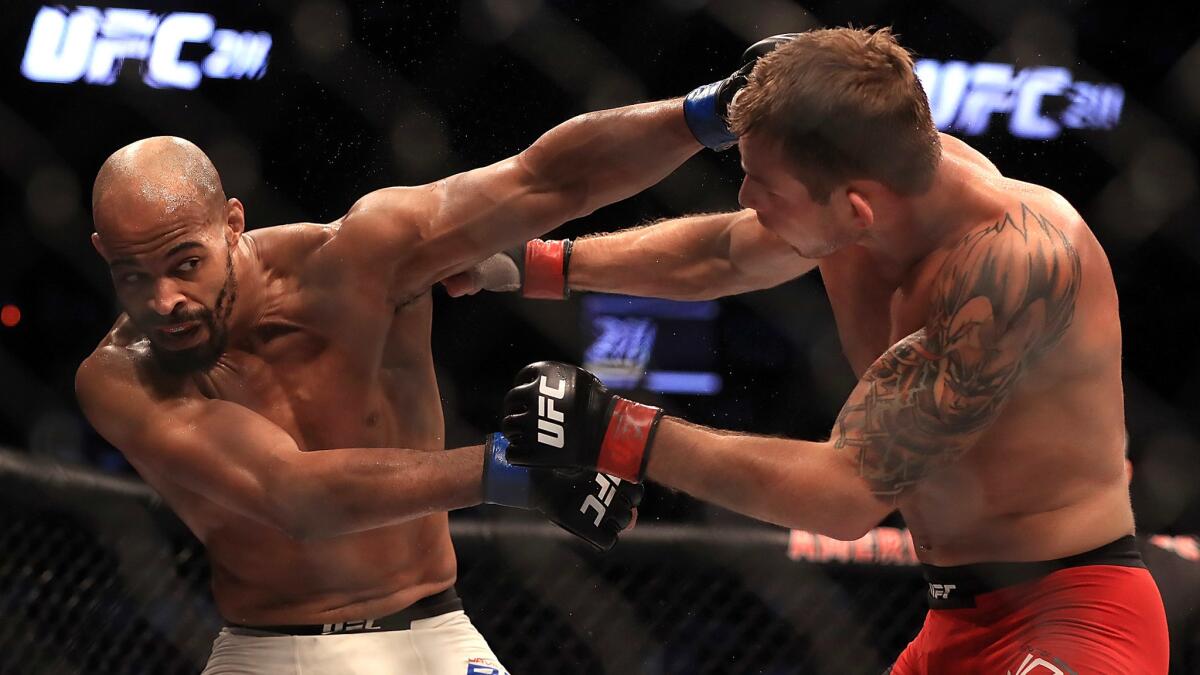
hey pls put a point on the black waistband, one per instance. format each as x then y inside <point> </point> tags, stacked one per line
<point>956,587</point>
<point>433,605</point>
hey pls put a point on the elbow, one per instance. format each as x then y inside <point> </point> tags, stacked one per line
<point>300,526</point>
<point>848,531</point>
<point>286,515</point>
<point>568,194</point>
<point>847,515</point>
<point>741,278</point>
<point>841,527</point>
<point>859,519</point>
<point>578,200</point>
<point>295,528</point>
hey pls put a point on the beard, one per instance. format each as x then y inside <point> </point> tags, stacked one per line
<point>216,322</point>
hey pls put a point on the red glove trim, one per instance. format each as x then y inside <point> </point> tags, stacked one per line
<point>630,430</point>
<point>545,269</point>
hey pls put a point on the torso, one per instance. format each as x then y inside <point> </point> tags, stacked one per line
<point>1048,479</point>
<point>336,364</point>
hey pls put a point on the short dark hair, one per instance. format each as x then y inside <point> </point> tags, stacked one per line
<point>846,103</point>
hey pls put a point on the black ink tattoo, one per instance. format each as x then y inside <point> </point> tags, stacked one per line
<point>1003,297</point>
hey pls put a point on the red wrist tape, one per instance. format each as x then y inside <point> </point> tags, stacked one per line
<point>545,269</point>
<point>630,430</point>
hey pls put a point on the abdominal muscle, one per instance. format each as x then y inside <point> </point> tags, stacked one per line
<point>260,576</point>
<point>1012,499</point>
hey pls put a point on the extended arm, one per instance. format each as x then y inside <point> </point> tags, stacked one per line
<point>693,258</point>
<point>585,163</point>
<point>244,463</point>
<point>699,257</point>
<point>420,235</point>
<point>247,464</point>
<point>1003,299</point>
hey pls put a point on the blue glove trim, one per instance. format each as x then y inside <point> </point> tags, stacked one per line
<point>700,113</point>
<point>503,483</point>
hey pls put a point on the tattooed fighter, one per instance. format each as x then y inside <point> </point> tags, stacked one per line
<point>980,314</point>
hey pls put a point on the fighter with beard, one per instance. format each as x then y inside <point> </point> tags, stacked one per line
<point>277,388</point>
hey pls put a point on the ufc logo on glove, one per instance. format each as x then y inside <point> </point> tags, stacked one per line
<point>550,429</point>
<point>600,502</point>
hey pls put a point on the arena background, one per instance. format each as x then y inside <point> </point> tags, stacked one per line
<point>346,98</point>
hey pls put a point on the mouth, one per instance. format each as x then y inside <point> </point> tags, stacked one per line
<point>179,335</point>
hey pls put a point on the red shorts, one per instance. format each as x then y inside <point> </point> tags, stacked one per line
<point>1090,618</point>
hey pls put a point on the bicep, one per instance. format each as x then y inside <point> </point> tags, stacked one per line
<point>1004,297</point>
<point>904,419</point>
<point>229,453</point>
<point>223,451</point>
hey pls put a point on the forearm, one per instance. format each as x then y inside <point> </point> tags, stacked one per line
<point>681,259</point>
<point>606,156</point>
<point>797,484</point>
<point>328,493</point>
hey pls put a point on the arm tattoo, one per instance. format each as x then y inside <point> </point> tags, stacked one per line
<point>1004,296</point>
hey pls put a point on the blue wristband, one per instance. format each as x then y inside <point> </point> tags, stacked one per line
<point>700,113</point>
<point>503,483</point>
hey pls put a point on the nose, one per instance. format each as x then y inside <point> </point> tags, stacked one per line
<point>746,196</point>
<point>166,297</point>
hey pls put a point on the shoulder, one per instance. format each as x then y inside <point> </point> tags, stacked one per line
<point>281,245</point>
<point>1018,274</point>
<point>382,226</point>
<point>393,212</point>
<point>1023,240</point>
<point>118,383</point>
<point>958,150</point>
<point>102,383</point>
<point>120,356</point>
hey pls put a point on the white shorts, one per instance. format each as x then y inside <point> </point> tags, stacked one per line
<point>447,644</point>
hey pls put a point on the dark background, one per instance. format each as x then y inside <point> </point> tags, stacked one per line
<point>362,96</point>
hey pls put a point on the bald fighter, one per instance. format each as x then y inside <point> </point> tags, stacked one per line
<point>277,388</point>
<point>980,314</point>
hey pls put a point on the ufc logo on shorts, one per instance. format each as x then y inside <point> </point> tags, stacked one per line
<point>484,669</point>
<point>941,591</point>
<point>349,626</point>
<point>600,502</point>
<point>550,428</point>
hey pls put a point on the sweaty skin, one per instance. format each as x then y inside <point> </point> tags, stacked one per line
<point>330,376</point>
<point>298,429</point>
<point>995,420</point>
<point>988,346</point>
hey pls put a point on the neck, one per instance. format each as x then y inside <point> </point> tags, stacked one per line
<point>247,309</point>
<point>908,229</point>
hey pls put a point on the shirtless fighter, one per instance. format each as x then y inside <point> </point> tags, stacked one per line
<point>277,388</point>
<point>980,314</point>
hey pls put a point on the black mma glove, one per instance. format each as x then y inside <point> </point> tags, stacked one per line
<point>561,415</point>
<point>588,504</point>
<point>706,108</point>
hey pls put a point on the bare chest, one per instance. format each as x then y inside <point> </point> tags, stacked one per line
<point>873,313</point>
<point>367,383</point>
